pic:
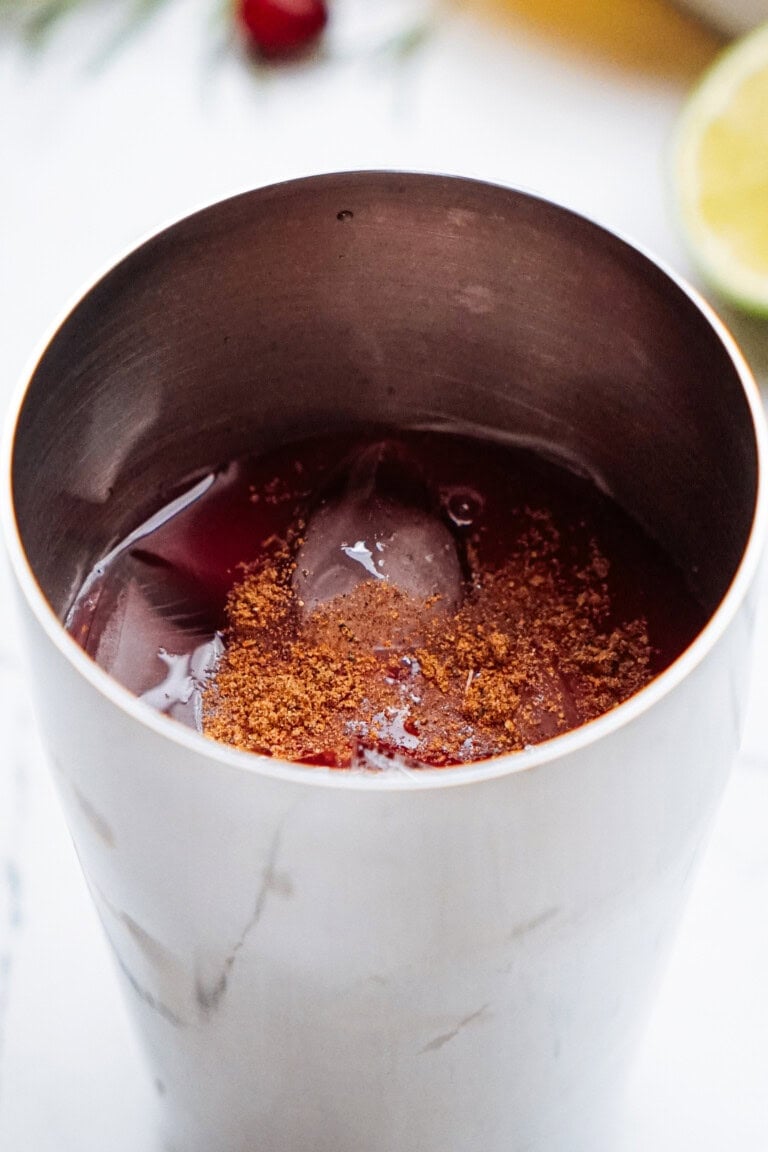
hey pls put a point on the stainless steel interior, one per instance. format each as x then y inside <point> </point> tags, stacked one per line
<point>378,297</point>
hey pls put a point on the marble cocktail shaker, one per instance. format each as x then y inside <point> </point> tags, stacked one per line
<point>433,961</point>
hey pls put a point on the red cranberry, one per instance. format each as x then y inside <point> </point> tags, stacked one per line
<point>279,27</point>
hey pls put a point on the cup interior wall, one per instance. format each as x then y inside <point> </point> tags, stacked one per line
<point>362,299</point>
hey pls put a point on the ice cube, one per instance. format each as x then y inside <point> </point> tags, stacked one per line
<point>143,608</point>
<point>378,520</point>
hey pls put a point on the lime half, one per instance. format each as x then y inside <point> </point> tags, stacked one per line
<point>721,172</point>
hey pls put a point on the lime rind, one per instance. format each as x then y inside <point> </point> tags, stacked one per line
<point>743,286</point>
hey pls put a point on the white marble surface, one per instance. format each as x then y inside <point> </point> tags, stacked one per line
<point>90,162</point>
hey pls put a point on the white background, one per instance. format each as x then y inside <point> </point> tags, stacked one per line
<point>578,108</point>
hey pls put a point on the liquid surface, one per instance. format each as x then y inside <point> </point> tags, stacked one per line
<point>421,595</point>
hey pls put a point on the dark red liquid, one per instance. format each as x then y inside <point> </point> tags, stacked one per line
<point>153,612</point>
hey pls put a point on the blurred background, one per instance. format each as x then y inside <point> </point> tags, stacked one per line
<point>117,116</point>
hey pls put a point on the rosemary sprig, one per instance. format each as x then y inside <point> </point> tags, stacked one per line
<point>35,20</point>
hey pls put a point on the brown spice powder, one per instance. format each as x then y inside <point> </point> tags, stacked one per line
<point>532,652</point>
